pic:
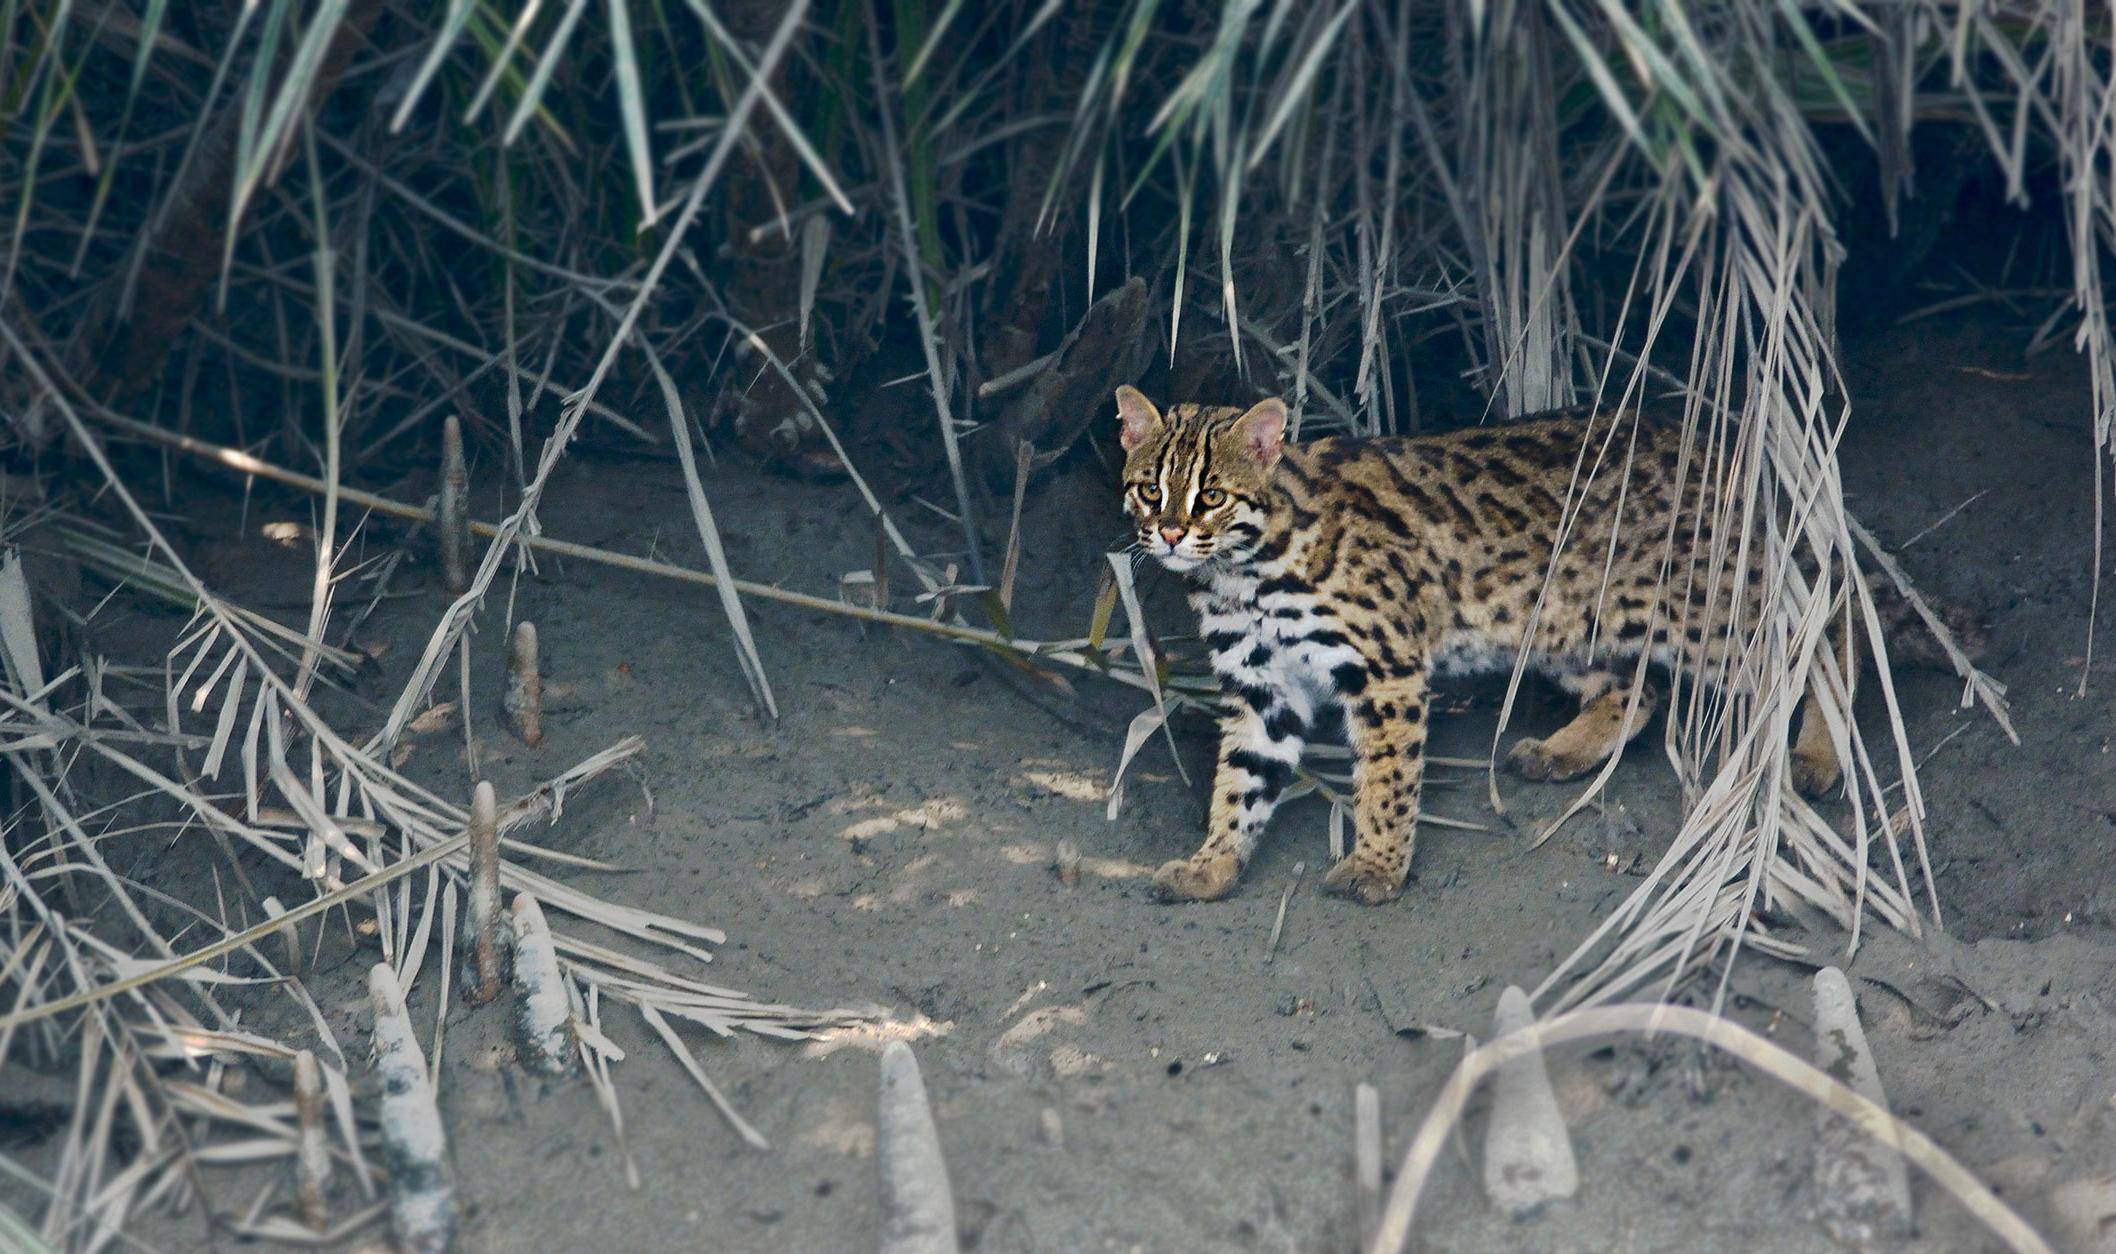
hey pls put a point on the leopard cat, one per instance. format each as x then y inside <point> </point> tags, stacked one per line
<point>1351,571</point>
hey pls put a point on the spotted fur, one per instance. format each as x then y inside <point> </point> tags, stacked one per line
<point>1349,572</point>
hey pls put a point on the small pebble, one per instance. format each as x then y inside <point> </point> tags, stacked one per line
<point>1287,1004</point>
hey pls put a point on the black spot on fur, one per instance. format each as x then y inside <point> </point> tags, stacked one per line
<point>1273,773</point>
<point>1283,724</point>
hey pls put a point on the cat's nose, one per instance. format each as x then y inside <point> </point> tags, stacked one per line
<point>1174,535</point>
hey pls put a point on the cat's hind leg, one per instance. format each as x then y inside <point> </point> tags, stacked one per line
<point>1605,724</point>
<point>1818,768</point>
<point>1385,721</point>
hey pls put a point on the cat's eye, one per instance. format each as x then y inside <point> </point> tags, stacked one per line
<point>1149,494</point>
<point>1212,498</point>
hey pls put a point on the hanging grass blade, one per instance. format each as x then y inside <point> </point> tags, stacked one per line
<point>436,52</point>
<point>540,78</point>
<point>289,105</point>
<point>632,108</point>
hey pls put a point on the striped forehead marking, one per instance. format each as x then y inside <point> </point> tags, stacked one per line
<point>1186,458</point>
<point>1185,461</point>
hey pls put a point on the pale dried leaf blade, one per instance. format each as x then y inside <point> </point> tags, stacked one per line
<point>18,626</point>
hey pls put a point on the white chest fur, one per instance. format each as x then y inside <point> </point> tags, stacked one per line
<point>1269,637</point>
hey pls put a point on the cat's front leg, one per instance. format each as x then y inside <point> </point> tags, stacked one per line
<point>1260,744</point>
<point>1385,721</point>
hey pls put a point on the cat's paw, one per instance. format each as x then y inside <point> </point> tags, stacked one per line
<point>1362,881</point>
<point>1531,758</point>
<point>1196,879</point>
<point>1816,775</point>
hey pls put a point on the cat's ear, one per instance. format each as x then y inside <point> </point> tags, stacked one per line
<point>1263,431</point>
<point>1139,416</point>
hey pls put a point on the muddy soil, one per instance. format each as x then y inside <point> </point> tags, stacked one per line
<point>1111,1073</point>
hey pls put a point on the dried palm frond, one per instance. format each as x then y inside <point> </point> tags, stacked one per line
<point>349,808</point>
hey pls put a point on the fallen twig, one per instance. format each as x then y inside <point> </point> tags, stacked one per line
<point>1068,653</point>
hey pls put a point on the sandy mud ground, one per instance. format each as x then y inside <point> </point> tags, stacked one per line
<point>1111,1073</point>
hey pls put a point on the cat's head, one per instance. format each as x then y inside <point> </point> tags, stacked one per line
<point>1194,478</point>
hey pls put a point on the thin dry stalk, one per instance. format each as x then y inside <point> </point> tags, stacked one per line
<point>1278,921</point>
<point>1069,653</point>
<point>18,627</point>
<point>914,275</point>
<point>662,1028</point>
<point>1024,461</point>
